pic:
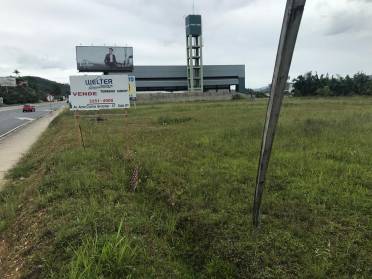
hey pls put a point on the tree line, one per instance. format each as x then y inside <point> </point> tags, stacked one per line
<point>324,85</point>
<point>33,90</point>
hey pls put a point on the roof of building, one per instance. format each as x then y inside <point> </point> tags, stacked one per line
<point>180,71</point>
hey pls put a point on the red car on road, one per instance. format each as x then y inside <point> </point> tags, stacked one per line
<point>28,108</point>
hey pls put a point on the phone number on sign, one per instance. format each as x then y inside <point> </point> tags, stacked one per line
<point>98,101</point>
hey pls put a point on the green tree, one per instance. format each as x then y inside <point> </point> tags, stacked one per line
<point>361,84</point>
<point>324,92</point>
<point>323,85</point>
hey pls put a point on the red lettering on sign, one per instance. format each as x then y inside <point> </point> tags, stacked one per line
<point>80,94</point>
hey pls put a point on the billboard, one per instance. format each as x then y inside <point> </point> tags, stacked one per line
<point>8,81</point>
<point>104,59</point>
<point>92,92</point>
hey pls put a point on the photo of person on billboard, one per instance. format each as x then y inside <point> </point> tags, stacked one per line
<point>104,58</point>
<point>110,59</point>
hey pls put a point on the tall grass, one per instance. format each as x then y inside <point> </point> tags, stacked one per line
<point>190,216</point>
<point>112,256</point>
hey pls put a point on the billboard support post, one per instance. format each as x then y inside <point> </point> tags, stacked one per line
<point>78,126</point>
<point>132,89</point>
<point>291,24</point>
<point>81,136</point>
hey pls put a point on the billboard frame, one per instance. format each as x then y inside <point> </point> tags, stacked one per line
<point>103,69</point>
<point>99,92</point>
<point>8,82</point>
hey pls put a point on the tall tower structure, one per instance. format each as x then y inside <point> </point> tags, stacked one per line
<point>194,44</point>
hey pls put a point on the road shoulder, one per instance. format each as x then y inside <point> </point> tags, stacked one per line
<point>16,144</point>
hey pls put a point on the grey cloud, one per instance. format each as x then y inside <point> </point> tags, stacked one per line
<point>41,62</point>
<point>349,20</point>
<point>168,12</point>
<point>20,58</point>
<point>366,1</point>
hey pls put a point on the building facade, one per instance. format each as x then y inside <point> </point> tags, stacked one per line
<point>174,78</point>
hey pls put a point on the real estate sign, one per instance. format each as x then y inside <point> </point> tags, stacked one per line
<point>99,92</point>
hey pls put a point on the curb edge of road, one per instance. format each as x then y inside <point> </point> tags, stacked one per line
<point>4,136</point>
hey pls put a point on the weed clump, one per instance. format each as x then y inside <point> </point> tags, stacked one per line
<point>168,120</point>
<point>107,256</point>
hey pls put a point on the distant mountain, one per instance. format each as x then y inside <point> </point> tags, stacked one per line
<point>32,89</point>
<point>263,89</point>
<point>45,87</point>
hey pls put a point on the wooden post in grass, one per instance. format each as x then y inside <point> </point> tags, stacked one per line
<point>126,130</point>
<point>81,136</point>
<point>76,115</point>
<point>291,24</point>
<point>77,120</point>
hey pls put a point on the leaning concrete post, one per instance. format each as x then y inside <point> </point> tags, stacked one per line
<point>291,25</point>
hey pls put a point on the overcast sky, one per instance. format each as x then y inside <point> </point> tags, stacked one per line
<point>38,37</point>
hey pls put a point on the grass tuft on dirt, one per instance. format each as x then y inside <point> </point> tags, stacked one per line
<point>74,213</point>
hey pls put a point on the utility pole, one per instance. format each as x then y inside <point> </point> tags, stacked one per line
<point>291,24</point>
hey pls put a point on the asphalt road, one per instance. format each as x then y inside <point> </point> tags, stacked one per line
<point>12,118</point>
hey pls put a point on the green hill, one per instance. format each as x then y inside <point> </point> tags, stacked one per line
<point>34,89</point>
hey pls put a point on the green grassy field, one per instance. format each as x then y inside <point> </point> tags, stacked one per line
<point>72,213</point>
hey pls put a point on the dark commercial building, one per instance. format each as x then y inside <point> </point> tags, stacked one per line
<point>174,78</point>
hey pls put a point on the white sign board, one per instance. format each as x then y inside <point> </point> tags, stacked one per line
<point>8,81</point>
<point>99,92</point>
<point>132,88</point>
<point>50,98</point>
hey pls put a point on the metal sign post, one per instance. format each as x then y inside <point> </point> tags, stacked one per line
<point>291,24</point>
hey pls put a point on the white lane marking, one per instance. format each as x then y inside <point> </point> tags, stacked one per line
<point>36,105</point>
<point>12,130</point>
<point>10,108</point>
<point>29,120</point>
<point>25,118</point>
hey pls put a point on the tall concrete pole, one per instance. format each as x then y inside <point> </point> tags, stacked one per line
<point>291,24</point>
